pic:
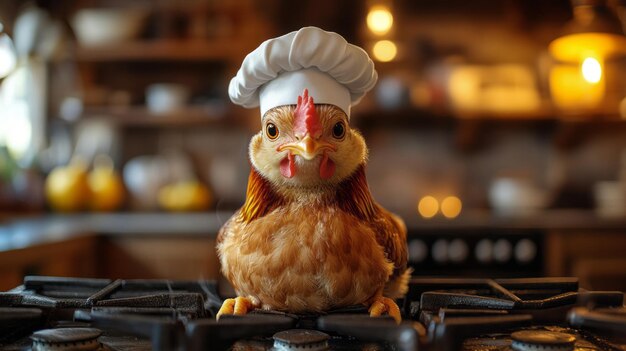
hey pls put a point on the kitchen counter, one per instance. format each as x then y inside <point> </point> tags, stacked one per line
<point>116,245</point>
<point>30,231</point>
<point>182,245</point>
<point>547,220</point>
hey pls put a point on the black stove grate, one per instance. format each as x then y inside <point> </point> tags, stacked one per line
<point>456,309</point>
<point>154,309</point>
<point>439,313</point>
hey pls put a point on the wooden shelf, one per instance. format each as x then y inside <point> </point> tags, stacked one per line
<point>472,129</point>
<point>140,116</point>
<point>164,50</point>
<point>546,115</point>
<point>412,117</point>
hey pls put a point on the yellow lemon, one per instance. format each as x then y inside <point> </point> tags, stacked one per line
<point>107,189</point>
<point>67,189</point>
<point>185,196</point>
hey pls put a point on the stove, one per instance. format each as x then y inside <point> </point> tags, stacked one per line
<point>54,313</point>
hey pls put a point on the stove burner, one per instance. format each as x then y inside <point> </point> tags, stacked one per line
<point>442,314</point>
<point>301,339</point>
<point>66,339</point>
<point>539,340</point>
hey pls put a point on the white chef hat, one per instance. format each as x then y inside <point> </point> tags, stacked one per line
<point>277,72</point>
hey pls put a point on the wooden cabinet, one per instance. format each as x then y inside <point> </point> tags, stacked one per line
<point>125,257</point>
<point>158,257</point>
<point>74,257</point>
<point>597,258</point>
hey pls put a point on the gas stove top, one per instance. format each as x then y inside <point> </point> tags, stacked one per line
<point>53,313</point>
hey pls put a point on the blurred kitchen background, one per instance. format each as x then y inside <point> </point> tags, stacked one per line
<point>497,130</point>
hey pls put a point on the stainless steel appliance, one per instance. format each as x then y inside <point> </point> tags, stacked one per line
<point>477,253</point>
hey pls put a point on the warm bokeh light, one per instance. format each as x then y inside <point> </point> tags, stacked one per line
<point>571,91</point>
<point>385,50</point>
<point>496,88</point>
<point>428,207</point>
<point>576,47</point>
<point>591,70</point>
<point>451,206</point>
<point>379,20</point>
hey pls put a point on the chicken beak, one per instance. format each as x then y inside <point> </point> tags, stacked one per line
<point>308,148</point>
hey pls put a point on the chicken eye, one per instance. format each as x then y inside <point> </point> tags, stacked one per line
<point>339,130</point>
<point>271,130</point>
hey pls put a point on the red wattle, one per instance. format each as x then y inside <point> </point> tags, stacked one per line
<point>327,167</point>
<point>288,166</point>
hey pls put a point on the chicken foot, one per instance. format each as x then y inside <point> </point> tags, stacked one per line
<point>238,306</point>
<point>380,305</point>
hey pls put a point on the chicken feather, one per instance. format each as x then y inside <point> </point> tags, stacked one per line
<point>311,249</point>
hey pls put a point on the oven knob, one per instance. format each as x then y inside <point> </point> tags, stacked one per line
<point>440,251</point>
<point>525,251</point>
<point>418,251</point>
<point>457,250</point>
<point>502,250</point>
<point>484,251</point>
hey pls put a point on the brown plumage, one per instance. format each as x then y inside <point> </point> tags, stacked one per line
<point>311,238</point>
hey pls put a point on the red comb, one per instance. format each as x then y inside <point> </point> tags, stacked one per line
<point>306,118</point>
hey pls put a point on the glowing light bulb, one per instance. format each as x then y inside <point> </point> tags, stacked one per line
<point>451,206</point>
<point>591,70</point>
<point>385,50</point>
<point>379,20</point>
<point>428,207</point>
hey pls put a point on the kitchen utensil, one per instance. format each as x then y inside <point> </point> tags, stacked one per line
<point>96,136</point>
<point>36,34</point>
<point>28,29</point>
<point>8,58</point>
<point>516,197</point>
<point>51,41</point>
<point>163,98</point>
<point>144,176</point>
<point>98,26</point>
<point>610,198</point>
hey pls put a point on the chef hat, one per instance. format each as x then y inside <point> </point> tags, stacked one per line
<point>277,72</point>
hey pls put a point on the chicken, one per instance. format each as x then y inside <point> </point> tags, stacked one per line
<point>310,237</point>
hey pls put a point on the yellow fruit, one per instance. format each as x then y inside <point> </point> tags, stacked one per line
<point>67,189</point>
<point>107,190</point>
<point>185,196</point>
